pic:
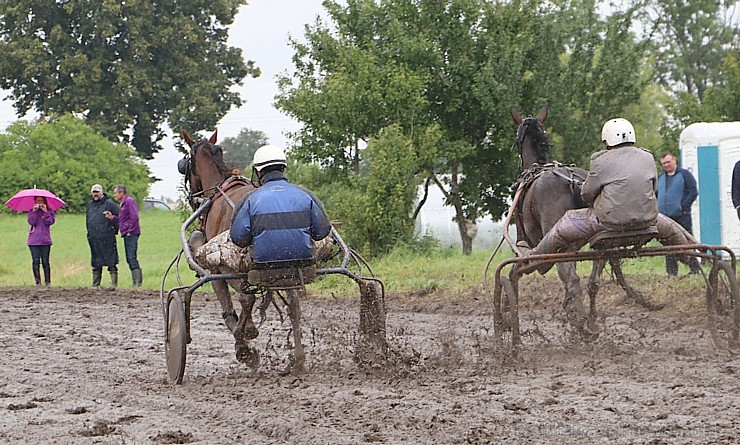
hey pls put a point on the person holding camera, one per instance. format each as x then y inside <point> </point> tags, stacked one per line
<point>40,218</point>
<point>101,235</point>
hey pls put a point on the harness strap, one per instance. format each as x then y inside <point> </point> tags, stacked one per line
<point>226,185</point>
<point>528,177</point>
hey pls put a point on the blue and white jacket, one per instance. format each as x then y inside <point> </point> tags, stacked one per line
<point>676,201</point>
<point>279,220</point>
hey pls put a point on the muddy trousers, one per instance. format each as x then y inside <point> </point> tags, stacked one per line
<point>40,257</point>
<point>576,227</point>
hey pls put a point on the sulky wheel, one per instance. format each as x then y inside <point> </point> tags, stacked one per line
<point>510,310</point>
<point>723,308</point>
<point>176,339</point>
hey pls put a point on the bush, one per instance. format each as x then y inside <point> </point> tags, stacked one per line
<point>66,157</point>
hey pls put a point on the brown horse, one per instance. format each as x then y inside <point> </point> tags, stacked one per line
<point>210,178</point>
<point>551,190</point>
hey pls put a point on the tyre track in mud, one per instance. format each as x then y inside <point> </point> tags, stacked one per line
<point>87,366</point>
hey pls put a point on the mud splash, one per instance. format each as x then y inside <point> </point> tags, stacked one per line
<point>87,366</point>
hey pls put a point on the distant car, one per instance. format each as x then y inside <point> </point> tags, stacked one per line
<point>155,204</point>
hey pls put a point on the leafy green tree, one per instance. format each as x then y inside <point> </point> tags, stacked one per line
<point>722,101</point>
<point>691,40</point>
<point>66,156</point>
<point>127,67</point>
<point>239,150</point>
<point>458,65</point>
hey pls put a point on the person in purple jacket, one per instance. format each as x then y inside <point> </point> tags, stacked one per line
<point>128,225</point>
<point>39,239</point>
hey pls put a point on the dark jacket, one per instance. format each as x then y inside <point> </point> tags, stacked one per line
<point>101,232</point>
<point>676,200</point>
<point>279,220</point>
<point>736,185</point>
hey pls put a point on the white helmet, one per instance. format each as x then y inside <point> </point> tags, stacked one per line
<point>617,131</point>
<point>268,155</point>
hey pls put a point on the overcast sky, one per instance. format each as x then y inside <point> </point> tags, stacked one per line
<point>261,29</point>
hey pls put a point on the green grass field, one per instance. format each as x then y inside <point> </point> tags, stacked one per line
<point>70,254</point>
<point>402,270</point>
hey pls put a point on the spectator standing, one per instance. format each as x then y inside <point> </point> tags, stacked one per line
<point>676,193</point>
<point>736,188</point>
<point>128,225</point>
<point>101,235</point>
<point>40,218</point>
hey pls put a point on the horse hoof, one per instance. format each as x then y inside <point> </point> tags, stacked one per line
<point>248,355</point>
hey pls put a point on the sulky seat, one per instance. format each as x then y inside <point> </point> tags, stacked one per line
<point>611,239</point>
<point>283,274</point>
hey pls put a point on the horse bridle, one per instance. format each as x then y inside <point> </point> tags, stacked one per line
<point>187,168</point>
<point>522,131</point>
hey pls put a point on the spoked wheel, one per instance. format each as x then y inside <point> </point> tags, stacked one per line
<point>176,339</point>
<point>723,308</point>
<point>510,310</point>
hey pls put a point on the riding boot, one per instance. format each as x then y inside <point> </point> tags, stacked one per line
<point>97,276</point>
<point>136,277</point>
<point>47,276</point>
<point>37,276</point>
<point>114,279</point>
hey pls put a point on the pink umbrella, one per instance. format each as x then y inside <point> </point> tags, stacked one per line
<point>24,200</point>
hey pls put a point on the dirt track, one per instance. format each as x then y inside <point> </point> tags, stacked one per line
<point>82,366</point>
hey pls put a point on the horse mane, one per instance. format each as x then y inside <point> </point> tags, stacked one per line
<point>217,155</point>
<point>533,128</point>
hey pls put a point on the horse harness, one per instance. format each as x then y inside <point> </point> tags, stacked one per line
<point>521,133</point>
<point>530,175</point>
<point>186,166</point>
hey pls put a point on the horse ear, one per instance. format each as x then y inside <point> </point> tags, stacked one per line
<point>542,115</point>
<point>213,137</point>
<point>188,139</point>
<point>516,116</point>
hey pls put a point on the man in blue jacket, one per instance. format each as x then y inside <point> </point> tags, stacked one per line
<point>279,219</point>
<point>676,193</point>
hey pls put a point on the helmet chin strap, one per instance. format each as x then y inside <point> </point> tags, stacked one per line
<point>256,172</point>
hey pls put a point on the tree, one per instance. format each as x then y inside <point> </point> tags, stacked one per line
<point>126,67</point>
<point>691,41</point>
<point>457,65</point>
<point>239,150</point>
<point>66,156</point>
<point>722,101</point>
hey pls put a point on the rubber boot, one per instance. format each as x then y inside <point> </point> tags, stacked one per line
<point>136,277</point>
<point>37,276</point>
<point>97,275</point>
<point>114,279</point>
<point>47,276</point>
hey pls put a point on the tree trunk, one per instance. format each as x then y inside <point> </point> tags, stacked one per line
<point>453,197</point>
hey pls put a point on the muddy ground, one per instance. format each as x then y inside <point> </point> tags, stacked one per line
<point>82,366</point>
